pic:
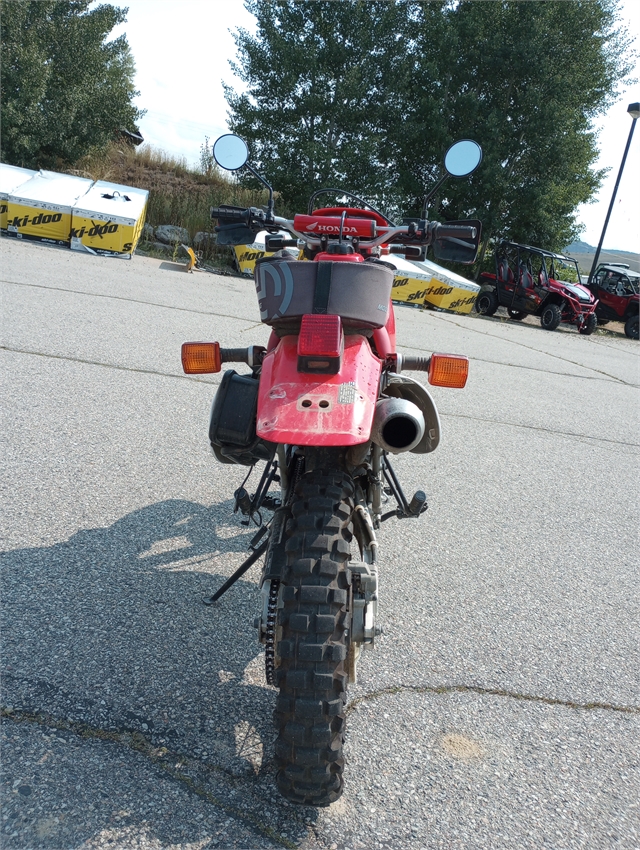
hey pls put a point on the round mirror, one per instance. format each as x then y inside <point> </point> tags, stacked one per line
<point>230,152</point>
<point>462,158</point>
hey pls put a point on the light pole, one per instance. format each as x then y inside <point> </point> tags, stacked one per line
<point>634,111</point>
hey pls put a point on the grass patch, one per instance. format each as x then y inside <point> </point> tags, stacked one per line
<point>178,194</point>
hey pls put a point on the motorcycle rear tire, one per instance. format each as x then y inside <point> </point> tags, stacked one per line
<point>314,637</point>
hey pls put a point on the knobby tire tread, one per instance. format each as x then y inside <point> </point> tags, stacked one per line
<point>312,674</point>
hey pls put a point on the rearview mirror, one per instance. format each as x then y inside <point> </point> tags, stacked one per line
<point>463,158</point>
<point>230,152</point>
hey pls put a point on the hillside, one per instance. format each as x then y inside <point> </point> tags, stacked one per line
<point>585,253</point>
<point>178,195</point>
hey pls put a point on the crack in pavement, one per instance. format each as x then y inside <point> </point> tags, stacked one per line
<point>606,380</point>
<point>604,344</point>
<point>606,376</point>
<point>214,383</point>
<point>122,298</point>
<point>171,762</point>
<point>539,428</point>
<point>181,768</point>
<point>496,692</point>
<point>537,351</point>
<point>192,773</point>
<point>106,365</point>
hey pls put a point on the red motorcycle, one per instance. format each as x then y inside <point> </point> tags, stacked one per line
<point>323,406</point>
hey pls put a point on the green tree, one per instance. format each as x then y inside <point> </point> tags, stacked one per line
<point>317,77</point>
<point>65,88</point>
<point>527,81</point>
<point>370,94</point>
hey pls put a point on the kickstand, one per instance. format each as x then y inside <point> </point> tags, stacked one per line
<point>242,569</point>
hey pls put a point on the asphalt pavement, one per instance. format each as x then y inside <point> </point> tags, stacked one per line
<point>499,709</point>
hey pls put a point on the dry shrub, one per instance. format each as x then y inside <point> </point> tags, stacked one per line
<point>178,194</point>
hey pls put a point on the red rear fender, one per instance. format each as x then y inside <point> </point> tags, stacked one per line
<point>318,410</point>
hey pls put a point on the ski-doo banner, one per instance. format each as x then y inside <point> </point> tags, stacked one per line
<point>430,285</point>
<point>40,209</point>
<point>108,219</point>
<point>11,177</point>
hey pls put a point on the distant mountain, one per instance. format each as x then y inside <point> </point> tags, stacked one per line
<point>579,248</point>
<point>584,254</point>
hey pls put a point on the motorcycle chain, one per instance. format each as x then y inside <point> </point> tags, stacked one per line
<point>272,604</point>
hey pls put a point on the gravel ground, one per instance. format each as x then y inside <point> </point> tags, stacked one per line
<point>499,709</point>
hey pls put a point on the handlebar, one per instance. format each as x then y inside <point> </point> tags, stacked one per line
<point>416,233</point>
<point>228,214</point>
<point>237,215</point>
<point>449,231</point>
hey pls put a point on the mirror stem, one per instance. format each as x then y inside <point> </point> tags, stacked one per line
<point>431,194</point>
<point>270,217</point>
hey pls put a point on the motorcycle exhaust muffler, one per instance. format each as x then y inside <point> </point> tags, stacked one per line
<point>398,425</point>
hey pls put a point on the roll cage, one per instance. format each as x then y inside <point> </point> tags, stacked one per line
<point>617,279</point>
<point>514,260</point>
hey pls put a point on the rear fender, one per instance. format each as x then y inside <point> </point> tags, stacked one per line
<point>301,409</point>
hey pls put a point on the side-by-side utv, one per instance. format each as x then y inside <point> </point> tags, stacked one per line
<point>531,281</point>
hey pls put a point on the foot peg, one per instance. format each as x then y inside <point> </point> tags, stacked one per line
<point>418,503</point>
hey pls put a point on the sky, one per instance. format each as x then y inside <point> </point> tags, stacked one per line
<point>182,50</point>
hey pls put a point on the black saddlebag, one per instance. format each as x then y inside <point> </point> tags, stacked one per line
<point>232,426</point>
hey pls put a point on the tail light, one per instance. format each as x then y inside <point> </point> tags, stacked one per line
<point>448,370</point>
<point>201,358</point>
<point>320,344</point>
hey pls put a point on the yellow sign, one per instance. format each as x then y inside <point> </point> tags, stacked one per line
<point>40,209</point>
<point>453,298</point>
<point>11,177</point>
<point>247,255</point>
<point>109,219</point>
<point>412,289</point>
<point>44,223</point>
<point>430,285</point>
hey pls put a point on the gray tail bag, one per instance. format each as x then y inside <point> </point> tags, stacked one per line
<point>357,292</point>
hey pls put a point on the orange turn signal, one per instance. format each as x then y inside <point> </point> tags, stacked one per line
<point>201,358</point>
<point>448,370</point>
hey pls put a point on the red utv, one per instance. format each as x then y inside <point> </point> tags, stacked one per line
<point>528,281</point>
<point>617,289</point>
